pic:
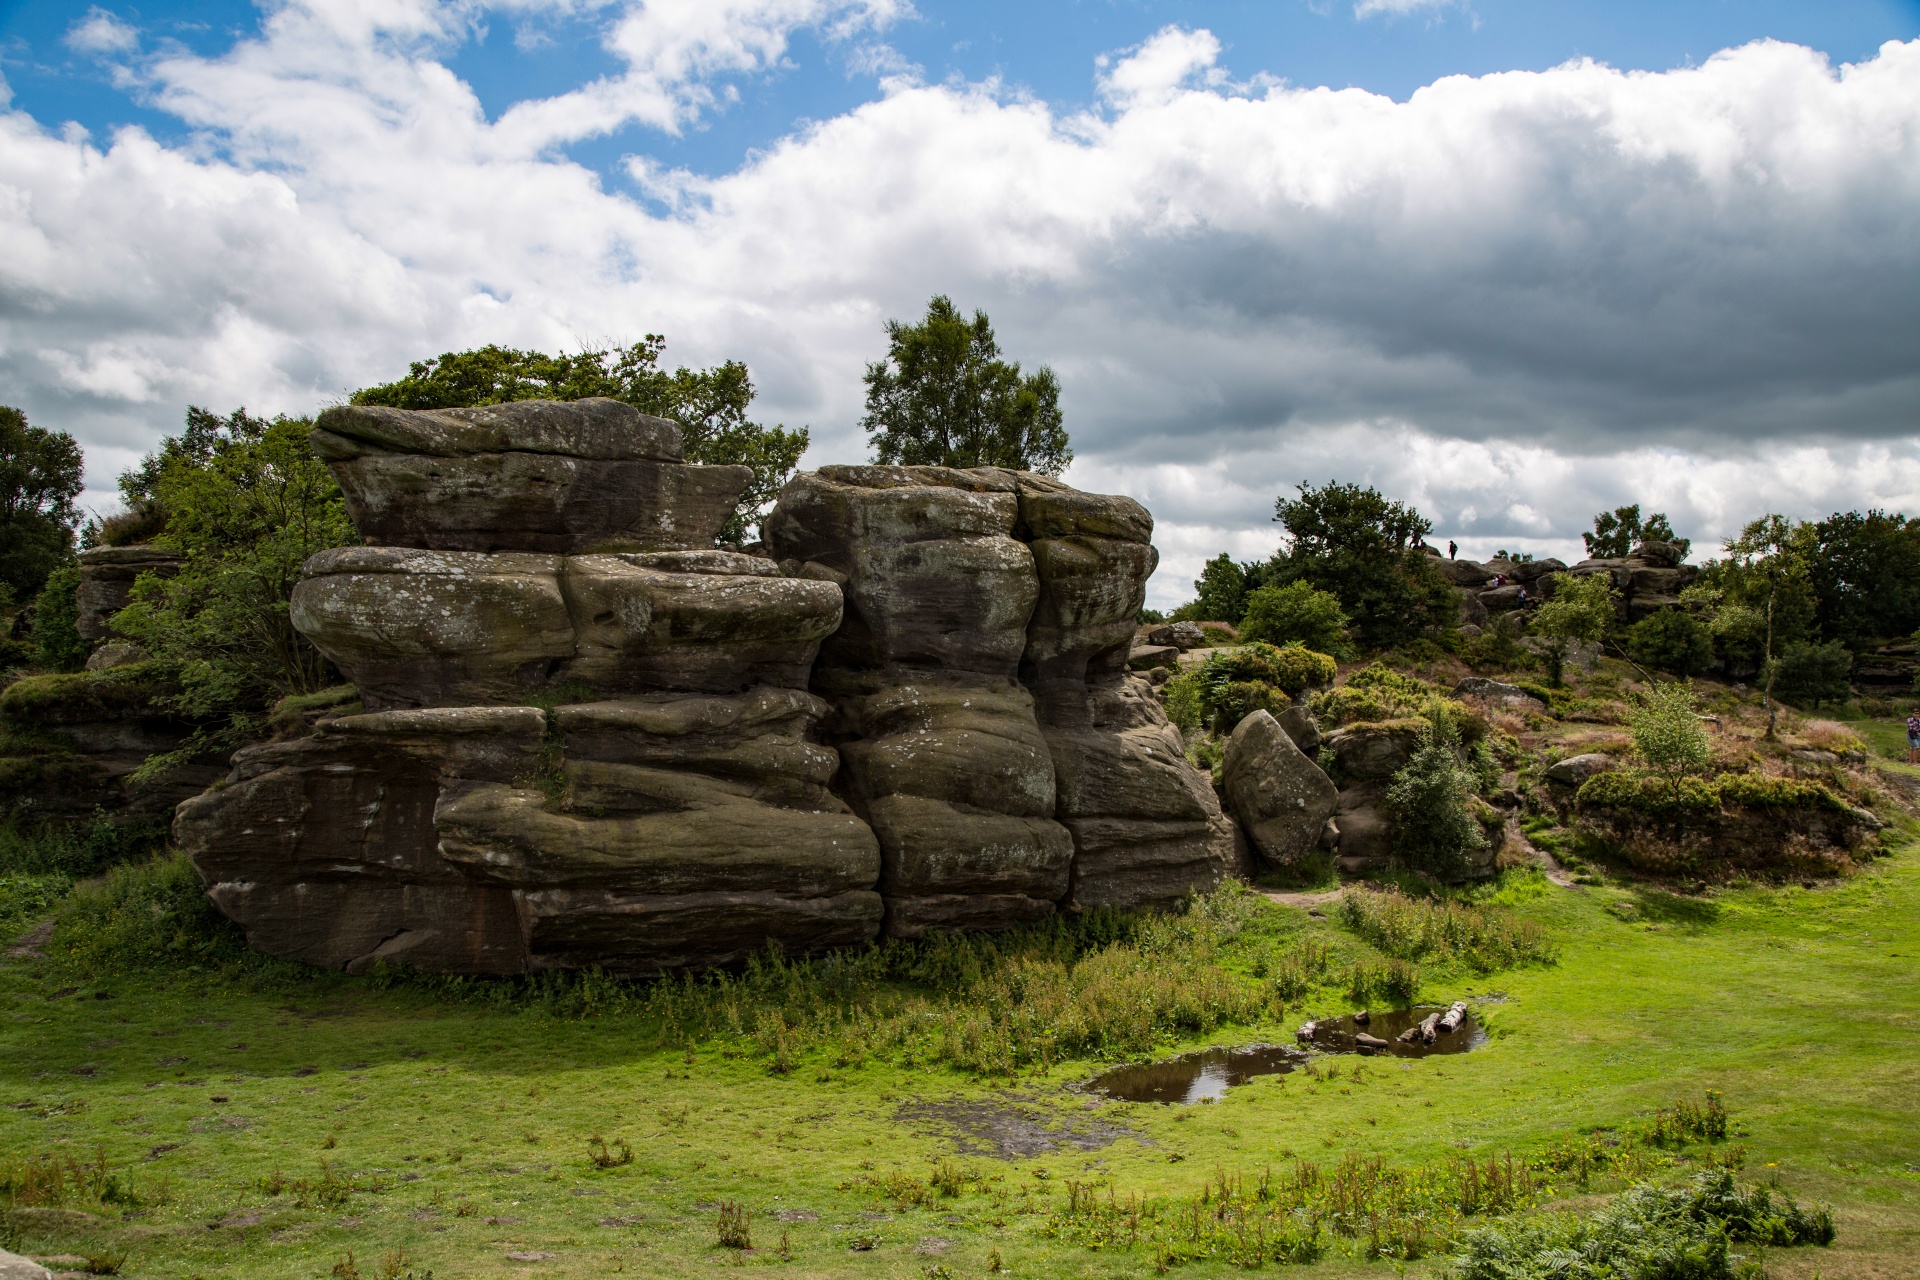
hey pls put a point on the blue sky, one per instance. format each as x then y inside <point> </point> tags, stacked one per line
<point>1046,49</point>
<point>1509,287</point>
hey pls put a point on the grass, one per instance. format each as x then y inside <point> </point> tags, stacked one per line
<point>258,1120</point>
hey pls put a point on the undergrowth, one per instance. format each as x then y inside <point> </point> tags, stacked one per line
<point>1483,938</point>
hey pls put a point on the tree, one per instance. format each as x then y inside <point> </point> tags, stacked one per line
<point>39,479</point>
<point>709,404</point>
<point>247,503</point>
<point>1434,829</point>
<point>1220,591</point>
<point>1298,613</point>
<point>1580,608</point>
<point>1671,640</point>
<point>1667,733</point>
<point>1864,569</point>
<point>943,397</point>
<point>1767,571</point>
<point>1813,673</point>
<point>1360,546</point>
<point>1617,532</point>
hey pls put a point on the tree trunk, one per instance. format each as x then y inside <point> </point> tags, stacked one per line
<point>1451,1021</point>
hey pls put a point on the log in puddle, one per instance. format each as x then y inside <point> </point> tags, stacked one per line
<point>1194,1077</point>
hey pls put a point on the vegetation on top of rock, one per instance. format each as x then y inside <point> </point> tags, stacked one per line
<point>943,397</point>
<point>39,479</point>
<point>48,701</point>
<point>1364,548</point>
<point>1616,533</point>
<point>709,404</point>
<point>1661,796</point>
<point>1234,683</point>
<point>1666,731</point>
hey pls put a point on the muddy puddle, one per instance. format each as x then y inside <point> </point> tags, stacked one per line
<point>1195,1077</point>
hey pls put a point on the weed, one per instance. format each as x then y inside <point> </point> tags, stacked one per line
<point>1395,980</point>
<point>605,1157</point>
<point>104,1263</point>
<point>1685,1122</point>
<point>731,1225</point>
<point>53,1181</point>
<point>346,1268</point>
<point>393,1266</point>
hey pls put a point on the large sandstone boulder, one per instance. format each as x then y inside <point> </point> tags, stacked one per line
<point>1376,750</point>
<point>107,575</point>
<point>1464,573</point>
<point>1282,798</point>
<point>534,475</point>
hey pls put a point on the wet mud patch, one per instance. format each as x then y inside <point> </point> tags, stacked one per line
<point>1011,1128</point>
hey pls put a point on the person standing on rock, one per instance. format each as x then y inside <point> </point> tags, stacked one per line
<point>1453,549</point>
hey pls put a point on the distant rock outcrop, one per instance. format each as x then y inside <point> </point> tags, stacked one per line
<point>590,737</point>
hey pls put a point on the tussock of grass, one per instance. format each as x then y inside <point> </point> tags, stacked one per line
<point>1483,938</point>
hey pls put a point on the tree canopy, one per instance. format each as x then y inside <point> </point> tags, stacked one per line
<point>1362,547</point>
<point>1617,532</point>
<point>709,404</point>
<point>943,397</point>
<point>39,479</point>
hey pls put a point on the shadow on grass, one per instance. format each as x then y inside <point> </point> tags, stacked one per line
<point>1661,907</point>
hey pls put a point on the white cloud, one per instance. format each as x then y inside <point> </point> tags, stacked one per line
<point>1397,8</point>
<point>1513,299</point>
<point>101,34</point>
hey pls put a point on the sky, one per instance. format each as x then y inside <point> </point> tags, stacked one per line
<point>1512,261</point>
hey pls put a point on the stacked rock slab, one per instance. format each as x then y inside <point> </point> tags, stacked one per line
<point>988,728</point>
<point>671,811</point>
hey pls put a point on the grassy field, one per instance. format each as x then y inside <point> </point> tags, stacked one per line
<point>283,1125</point>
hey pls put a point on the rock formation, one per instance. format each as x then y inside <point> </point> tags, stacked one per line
<point>589,737</point>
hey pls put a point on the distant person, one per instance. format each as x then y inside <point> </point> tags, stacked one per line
<point>1913,738</point>
<point>1453,549</point>
<point>1523,597</point>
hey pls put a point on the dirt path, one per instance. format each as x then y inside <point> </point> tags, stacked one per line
<point>30,946</point>
<point>1549,865</point>
<point>1303,900</point>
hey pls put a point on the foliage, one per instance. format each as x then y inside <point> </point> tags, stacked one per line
<point>1580,608</point>
<point>24,897</point>
<point>154,915</point>
<point>1220,591</point>
<point>1483,938</point>
<point>48,701</point>
<point>246,504</point>
<point>56,617</point>
<point>1671,640</point>
<point>1498,647</point>
<point>1666,732</point>
<point>39,479</point>
<point>1182,698</point>
<point>1864,569</point>
<point>1662,797</point>
<point>1362,548</point>
<point>1810,674</point>
<point>1233,683</point>
<point>944,397</point>
<point>1298,613</point>
<point>1616,533</point>
<point>1766,571</point>
<point>1434,827</point>
<point>72,851</point>
<point>709,404</point>
<point>1648,1233</point>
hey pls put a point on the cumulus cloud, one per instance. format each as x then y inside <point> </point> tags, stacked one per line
<point>1514,299</point>
<point>101,34</point>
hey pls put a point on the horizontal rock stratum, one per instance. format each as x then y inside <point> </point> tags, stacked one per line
<point>590,737</point>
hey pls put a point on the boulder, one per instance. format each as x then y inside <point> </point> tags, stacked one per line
<point>1464,573</point>
<point>15,1267</point>
<point>1282,799</point>
<point>1473,612</point>
<point>1146,656</point>
<point>1510,696</point>
<point>1376,750</point>
<point>107,576</point>
<point>532,475</point>
<point>1502,599</point>
<point>1575,770</point>
<point>116,653</point>
<point>1664,554</point>
<point>1366,830</point>
<point>418,628</point>
<point>1301,727</point>
<point>646,934</point>
<point>1660,580</point>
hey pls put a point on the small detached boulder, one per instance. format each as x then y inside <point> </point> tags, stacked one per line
<point>1281,797</point>
<point>15,1267</point>
<point>1506,695</point>
<point>1575,770</point>
<point>1144,656</point>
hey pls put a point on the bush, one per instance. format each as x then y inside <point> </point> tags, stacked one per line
<point>1810,674</point>
<point>1184,701</point>
<point>1657,796</point>
<point>1671,640</point>
<point>1666,732</point>
<point>1434,828</point>
<point>76,851</point>
<point>56,617</point>
<point>82,697</point>
<point>152,916</point>
<point>1237,682</point>
<point>1297,613</point>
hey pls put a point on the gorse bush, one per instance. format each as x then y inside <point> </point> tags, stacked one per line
<point>1483,938</point>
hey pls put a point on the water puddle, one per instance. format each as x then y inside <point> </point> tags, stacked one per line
<point>1196,1077</point>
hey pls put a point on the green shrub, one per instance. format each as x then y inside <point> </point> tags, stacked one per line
<point>1671,640</point>
<point>1810,674</point>
<point>1234,702</point>
<point>1484,938</point>
<point>151,916</point>
<point>1184,702</point>
<point>78,850</point>
<point>1234,683</point>
<point>1434,828</point>
<point>56,617</point>
<point>1758,791</point>
<point>1666,732</point>
<point>23,897</point>
<point>1651,795</point>
<point>1298,613</point>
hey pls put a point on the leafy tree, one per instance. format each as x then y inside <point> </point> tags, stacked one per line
<point>246,504</point>
<point>1766,570</point>
<point>1221,591</point>
<point>943,397</point>
<point>1671,640</point>
<point>1666,731</point>
<point>39,479</point>
<point>709,404</point>
<point>1298,613</point>
<point>1580,608</point>
<point>1434,829</point>
<point>1361,547</point>
<point>1617,532</point>
<point>1813,673</point>
<point>1864,570</point>
<point>56,619</point>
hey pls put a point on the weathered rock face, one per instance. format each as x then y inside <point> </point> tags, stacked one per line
<point>536,475</point>
<point>918,716</point>
<point>1282,798</point>
<point>106,583</point>
<point>1377,750</point>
